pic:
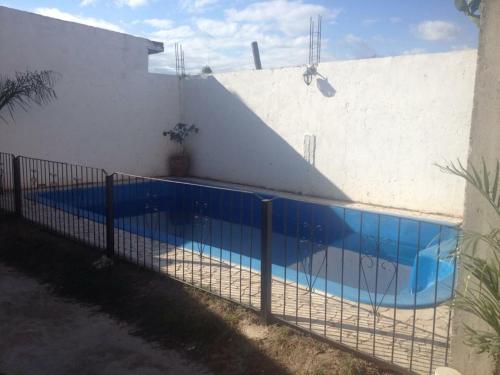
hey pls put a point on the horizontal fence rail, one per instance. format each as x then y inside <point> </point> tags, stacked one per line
<point>372,283</point>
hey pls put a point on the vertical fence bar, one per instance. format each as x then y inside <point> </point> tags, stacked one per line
<point>266,260</point>
<point>252,201</point>
<point>450,309</point>
<point>342,276</point>
<point>110,227</point>
<point>285,263</point>
<point>419,229</point>
<point>436,281</point>
<point>18,197</point>
<point>396,292</point>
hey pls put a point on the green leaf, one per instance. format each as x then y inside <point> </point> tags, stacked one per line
<point>480,182</point>
<point>486,178</point>
<point>494,190</point>
<point>480,295</point>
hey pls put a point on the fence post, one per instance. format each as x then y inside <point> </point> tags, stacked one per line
<point>266,260</point>
<point>18,195</point>
<point>110,227</point>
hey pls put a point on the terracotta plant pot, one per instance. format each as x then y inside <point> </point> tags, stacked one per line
<point>179,165</point>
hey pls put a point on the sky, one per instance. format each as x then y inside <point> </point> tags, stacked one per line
<point>218,33</point>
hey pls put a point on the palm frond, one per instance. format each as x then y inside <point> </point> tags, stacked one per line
<point>25,89</point>
<point>481,293</point>
<point>469,241</point>
<point>489,188</point>
<point>485,342</point>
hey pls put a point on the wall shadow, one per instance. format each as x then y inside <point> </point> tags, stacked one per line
<point>325,87</point>
<point>155,307</point>
<point>236,145</point>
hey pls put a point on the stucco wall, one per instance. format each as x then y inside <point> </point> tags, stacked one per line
<point>110,111</point>
<point>380,125</point>
<point>479,216</point>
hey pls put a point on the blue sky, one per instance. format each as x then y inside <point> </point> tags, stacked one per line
<point>219,32</point>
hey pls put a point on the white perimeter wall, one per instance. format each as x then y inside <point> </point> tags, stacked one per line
<point>110,111</point>
<point>389,120</point>
<point>380,124</point>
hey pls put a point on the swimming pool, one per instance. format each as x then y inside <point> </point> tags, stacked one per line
<point>361,256</point>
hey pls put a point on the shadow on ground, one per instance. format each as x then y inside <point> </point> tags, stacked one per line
<point>204,328</point>
<point>159,308</point>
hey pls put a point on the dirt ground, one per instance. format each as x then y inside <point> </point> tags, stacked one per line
<point>43,334</point>
<point>61,315</point>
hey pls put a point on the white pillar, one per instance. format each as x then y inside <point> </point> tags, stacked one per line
<point>484,142</point>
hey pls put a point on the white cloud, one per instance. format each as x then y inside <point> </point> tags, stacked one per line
<point>85,3</point>
<point>290,17</point>
<point>131,3</point>
<point>436,30</point>
<point>119,3</point>
<point>228,50</point>
<point>216,28</point>
<point>175,34</point>
<point>358,47</point>
<point>394,19</point>
<point>56,13</point>
<point>280,27</point>
<point>197,6</point>
<point>158,23</point>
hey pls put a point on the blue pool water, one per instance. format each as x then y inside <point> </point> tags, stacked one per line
<point>383,260</point>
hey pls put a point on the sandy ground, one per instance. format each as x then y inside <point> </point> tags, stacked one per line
<point>43,334</point>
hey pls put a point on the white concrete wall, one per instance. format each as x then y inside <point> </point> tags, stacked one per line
<point>380,124</point>
<point>110,111</point>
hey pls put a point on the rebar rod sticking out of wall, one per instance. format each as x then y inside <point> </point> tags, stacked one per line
<point>179,61</point>
<point>256,56</point>
<point>314,49</point>
<point>314,41</point>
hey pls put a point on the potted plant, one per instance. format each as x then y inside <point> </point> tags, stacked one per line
<point>180,162</point>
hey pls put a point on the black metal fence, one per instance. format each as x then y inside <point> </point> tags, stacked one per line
<point>62,197</point>
<point>191,232</point>
<point>372,283</point>
<point>7,182</point>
